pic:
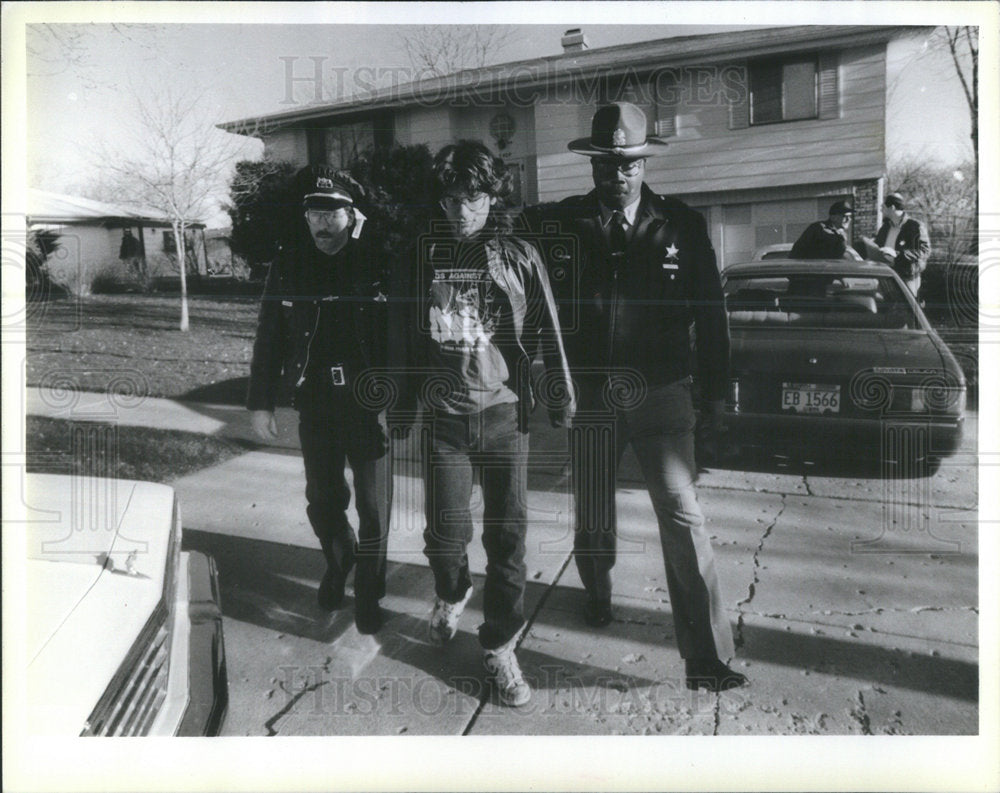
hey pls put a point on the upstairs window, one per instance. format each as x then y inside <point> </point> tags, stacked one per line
<point>783,89</point>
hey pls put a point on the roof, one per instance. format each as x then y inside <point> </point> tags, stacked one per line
<point>779,267</point>
<point>46,207</point>
<point>519,76</point>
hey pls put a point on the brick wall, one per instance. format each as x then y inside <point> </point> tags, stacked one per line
<point>867,196</point>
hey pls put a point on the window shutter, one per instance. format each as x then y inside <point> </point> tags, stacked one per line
<point>739,106</point>
<point>664,92</point>
<point>829,85</point>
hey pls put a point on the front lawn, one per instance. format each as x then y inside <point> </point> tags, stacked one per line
<point>131,344</point>
<point>57,446</point>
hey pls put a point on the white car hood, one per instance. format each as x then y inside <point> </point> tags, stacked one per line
<point>95,573</point>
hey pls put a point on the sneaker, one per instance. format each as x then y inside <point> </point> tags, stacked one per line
<point>444,618</point>
<point>502,665</point>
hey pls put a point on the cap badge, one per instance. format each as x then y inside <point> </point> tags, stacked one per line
<point>618,137</point>
<point>323,183</point>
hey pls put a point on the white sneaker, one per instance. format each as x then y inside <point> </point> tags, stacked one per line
<point>444,619</point>
<point>502,664</point>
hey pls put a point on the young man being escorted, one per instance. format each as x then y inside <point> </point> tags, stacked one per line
<point>483,308</point>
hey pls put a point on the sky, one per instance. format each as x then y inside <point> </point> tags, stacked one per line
<point>78,95</point>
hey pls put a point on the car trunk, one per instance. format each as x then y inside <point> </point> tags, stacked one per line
<point>865,369</point>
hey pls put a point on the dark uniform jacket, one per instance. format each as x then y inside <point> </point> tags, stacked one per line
<point>820,241</point>
<point>297,285</point>
<point>913,247</point>
<point>531,325</point>
<point>637,312</point>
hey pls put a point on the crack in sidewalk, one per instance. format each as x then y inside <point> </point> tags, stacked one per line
<point>529,622</point>
<point>289,706</point>
<point>752,588</point>
<point>860,714</point>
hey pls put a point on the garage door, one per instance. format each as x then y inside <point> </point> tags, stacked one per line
<point>746,227</point>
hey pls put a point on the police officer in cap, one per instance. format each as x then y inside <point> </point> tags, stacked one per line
<point>321,329</point>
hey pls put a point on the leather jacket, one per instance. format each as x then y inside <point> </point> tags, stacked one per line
<point>289,319</point>
<point>636,313</point>
<point>531,326</point>
<point>913,246</point>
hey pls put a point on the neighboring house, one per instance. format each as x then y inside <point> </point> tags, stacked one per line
<point>767,127</point>
<point>91,234</point>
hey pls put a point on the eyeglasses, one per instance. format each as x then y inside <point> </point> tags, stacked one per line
<point>626,168</point>
<point>472,203</point>
<point>323,215</point>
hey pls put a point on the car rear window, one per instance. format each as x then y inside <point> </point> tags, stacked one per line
<point>818,300</point>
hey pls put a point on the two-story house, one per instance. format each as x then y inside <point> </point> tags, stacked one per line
<point>766,127</point>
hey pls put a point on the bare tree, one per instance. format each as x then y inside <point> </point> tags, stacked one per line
<point>52,49</point>
<point>963,44</point>
<point>174,161</point>
<point>944,198</point>
<point>439,50</point>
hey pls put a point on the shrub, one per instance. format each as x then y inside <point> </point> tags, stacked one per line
<point>262,211</point>
<point>114,277</point>
<point>397,180</point>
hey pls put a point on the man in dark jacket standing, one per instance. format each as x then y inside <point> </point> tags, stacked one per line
<point>322,326</point>
<point>904,241</point>
<point>825,239</point>
<point>641,272</point>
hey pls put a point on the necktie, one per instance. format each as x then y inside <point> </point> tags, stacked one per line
<point>616,235</point>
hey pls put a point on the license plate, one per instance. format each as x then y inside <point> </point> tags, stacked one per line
<point>810,398</point>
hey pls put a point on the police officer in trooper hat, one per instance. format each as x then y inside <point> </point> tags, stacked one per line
<point>321,330</point>
<point>639,276</point>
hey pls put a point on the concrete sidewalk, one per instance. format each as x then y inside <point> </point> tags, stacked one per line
<point>853,602</point>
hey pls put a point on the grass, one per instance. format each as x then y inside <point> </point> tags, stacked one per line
<point>131,344</point>
<point>77,447</point>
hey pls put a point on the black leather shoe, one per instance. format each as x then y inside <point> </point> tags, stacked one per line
<point>712,674</point>
<point>597,613</point>
<point>367,616</point>
<point>330,594</point>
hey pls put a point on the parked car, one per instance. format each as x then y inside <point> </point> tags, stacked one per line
<point>833,353</point>
<point>782,250</point>
<point>124,630</point>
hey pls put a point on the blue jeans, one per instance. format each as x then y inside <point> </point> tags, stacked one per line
<point>661,430</point>
<point>491,441</point>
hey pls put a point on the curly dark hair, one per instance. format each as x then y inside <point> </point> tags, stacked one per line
<point>469,167</point>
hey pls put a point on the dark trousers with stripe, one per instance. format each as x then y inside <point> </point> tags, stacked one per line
<point>659,424</point>
<point>328,442</point>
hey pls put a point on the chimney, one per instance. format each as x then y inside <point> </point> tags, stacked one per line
<point>573,40</point>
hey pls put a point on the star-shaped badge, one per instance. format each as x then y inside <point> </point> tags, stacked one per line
<point>380,297</point>
<point>672,251</point>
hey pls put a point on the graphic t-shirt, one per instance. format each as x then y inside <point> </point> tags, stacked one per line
<point>466,308</point>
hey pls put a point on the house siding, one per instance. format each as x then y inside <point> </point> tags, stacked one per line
<point>785,174</point>
<point>287,145</point>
